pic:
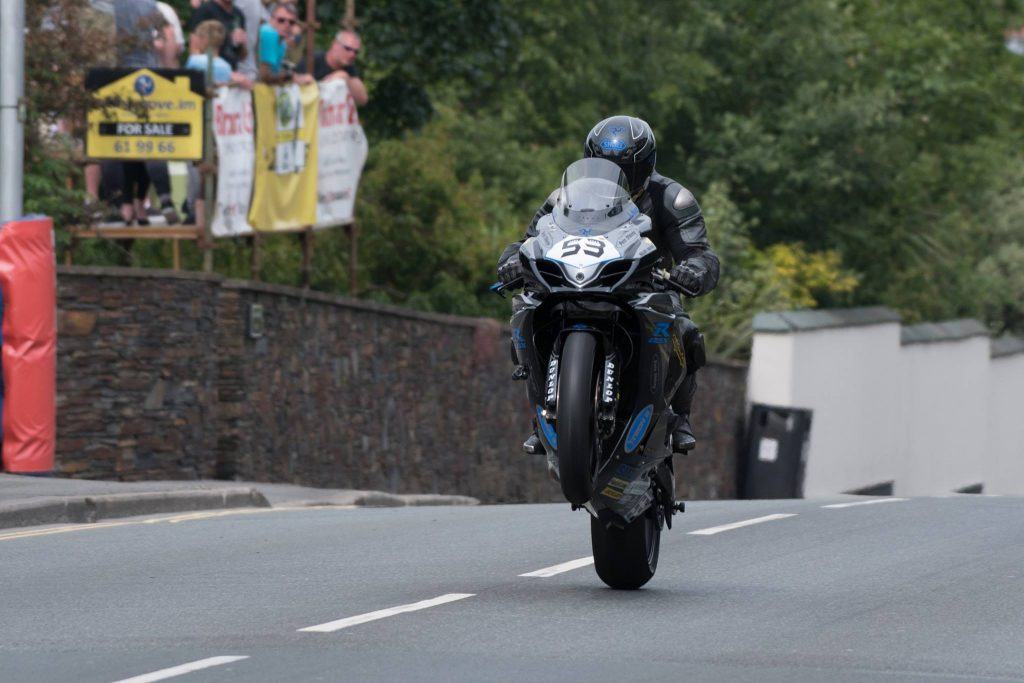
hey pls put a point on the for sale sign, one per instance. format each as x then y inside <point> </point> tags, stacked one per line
<point>145,114</point>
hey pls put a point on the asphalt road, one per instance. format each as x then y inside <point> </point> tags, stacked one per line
<point>921,589</point>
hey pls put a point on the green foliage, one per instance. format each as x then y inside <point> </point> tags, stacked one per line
<point>845,152</point>
<point>781,277</point>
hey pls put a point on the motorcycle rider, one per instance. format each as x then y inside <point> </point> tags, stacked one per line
<point>678,232</point>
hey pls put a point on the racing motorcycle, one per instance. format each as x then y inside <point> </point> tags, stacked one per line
<point>594,335</point>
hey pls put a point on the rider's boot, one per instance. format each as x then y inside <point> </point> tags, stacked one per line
<point>533,445</point>
<point>682,435</point>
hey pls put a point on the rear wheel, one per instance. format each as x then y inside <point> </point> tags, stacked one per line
<point>576,433</point>
<point>626,558</point>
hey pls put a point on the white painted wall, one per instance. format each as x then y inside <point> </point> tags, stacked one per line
<point>843,375</point>
<point>943,416</point>
<point>770,379</point>
<point>1004,471</point>
<point>932,417</point>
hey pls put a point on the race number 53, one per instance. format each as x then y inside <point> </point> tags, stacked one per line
<point>590,247</point>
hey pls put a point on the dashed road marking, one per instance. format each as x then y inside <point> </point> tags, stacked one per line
<point>866,502</point>
<point>339,624</point>
<point>559,568</point>
<point>183,669</point>
<point>711,531</point>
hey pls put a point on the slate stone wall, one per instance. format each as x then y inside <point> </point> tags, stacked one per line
<point>159,377</point>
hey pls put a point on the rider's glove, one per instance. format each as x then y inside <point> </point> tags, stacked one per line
<point>511,270</point>
<point>688,279</point>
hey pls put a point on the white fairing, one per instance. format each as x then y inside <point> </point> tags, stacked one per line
<point>582,256</point>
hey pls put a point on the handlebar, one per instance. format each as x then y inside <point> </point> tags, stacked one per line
<point>660,277</point>
<point>664,279</point>
<point>500,288</point>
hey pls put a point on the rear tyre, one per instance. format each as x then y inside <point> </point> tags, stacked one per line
<point>626,558</point>
<point>576,433</point>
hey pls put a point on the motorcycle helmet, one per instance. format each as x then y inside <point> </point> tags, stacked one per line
<point>628,142</point>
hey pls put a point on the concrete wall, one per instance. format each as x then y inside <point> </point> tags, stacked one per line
<point>158,377</point>
<point>926,408</point>
<point>1004,466</point>
<point>837,373</point>
<point>943,412</point>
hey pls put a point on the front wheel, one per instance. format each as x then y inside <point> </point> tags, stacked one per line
<point>576,434</point>
<point>626,558</point>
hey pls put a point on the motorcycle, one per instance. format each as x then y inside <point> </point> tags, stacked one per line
<point>594,333</point>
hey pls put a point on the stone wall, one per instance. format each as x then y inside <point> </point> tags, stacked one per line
<point>159,377</point>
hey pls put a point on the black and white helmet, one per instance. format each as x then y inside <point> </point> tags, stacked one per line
<point>627,141</point>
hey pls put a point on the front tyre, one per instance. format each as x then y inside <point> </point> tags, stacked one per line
<point>576,433</point>
<point>626,558</point>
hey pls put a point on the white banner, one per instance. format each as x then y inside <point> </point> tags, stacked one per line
<point>234,127</point>
<point>342,151</point>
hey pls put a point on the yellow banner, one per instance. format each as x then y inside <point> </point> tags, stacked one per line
<point>284,192</point>
<point>145,114</point>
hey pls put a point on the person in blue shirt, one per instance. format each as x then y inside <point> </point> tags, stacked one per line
<point>273,44</point>
<point>210,35</point>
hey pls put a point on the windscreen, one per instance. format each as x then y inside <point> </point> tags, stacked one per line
<point>594,198</point>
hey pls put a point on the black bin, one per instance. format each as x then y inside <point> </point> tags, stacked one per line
<point>776,451</point>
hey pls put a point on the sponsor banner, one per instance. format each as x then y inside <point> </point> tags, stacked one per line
<point>145,114</point>
<point>284,192</point>
<point>342,153</point>
<point>233,126</point>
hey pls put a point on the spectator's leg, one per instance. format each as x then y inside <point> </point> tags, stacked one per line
<point>194,186</point>
<point>117,183</point>
<point>160,176</point>
<point>93,178</point>
<point>138,188</point>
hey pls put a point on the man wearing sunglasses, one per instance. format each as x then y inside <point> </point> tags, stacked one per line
<point>235,47</point>
<point>339,62</point>
<point>282,29</point>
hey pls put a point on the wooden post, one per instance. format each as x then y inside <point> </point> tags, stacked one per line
<point>307,257</point>
<point>256,263</point>
<point>349,22</point>
<point>353,259</point>
<point>176,254</point>
<point>69,253</point>
<point>206,239</point>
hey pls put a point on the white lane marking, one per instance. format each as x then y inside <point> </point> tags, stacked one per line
<point>866,502</point>
<point>183,669</point>
<point>710,531</point>
<point>559,568</point>
<point>331,626</point>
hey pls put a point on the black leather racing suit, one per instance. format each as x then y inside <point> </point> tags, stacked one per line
<point>679,233</point>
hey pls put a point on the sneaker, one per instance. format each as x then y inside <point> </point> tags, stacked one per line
<point>170,215</point>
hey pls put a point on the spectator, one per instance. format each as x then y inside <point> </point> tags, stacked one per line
<point>140,39</point>
<point>256,15</point>
<point>174,37</point>
<point>209,34</point>
<point>273,44</point>
<point>339,63</point>
<point>1015,40</point>
<point>139,25</point>
<point>236,42</point>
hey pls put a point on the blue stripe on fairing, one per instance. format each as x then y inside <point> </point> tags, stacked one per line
<point>638,429</point>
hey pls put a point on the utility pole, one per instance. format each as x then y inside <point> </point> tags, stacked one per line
<point>12,89</point>
<point>349,22</point>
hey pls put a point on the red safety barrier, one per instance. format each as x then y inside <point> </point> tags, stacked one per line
<point>28,279</point>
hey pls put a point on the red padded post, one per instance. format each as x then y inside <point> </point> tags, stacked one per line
<point>28,280</point>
